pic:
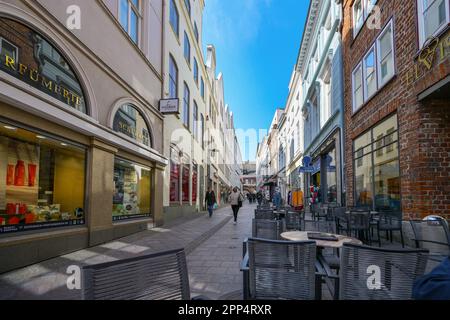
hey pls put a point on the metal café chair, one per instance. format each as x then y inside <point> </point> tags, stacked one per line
<point>267,229</point>
<point>358,224</point>
<point>433,235</point>
<point>389,222</point>
<point>161,276</point>
<point>265,214</point>
<point>369,273</point>
<point>294,219</point>
<point>284,270</point>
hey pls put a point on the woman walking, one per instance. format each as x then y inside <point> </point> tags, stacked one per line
<point>236,200</point>
<point>211,201</point>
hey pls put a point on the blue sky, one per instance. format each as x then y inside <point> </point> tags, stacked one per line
<point>257,43</point>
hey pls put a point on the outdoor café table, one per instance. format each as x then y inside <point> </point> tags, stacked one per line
<point>321,244</point>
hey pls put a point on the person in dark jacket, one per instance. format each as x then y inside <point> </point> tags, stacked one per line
<point>210,200</point>
<point>435,285</point>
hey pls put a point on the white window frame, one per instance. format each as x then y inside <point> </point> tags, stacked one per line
<point>359,66</point>
<point>365,84</point>
<point>173,6</point>
<point>381,83</point>
<point>356,28</point>
<point>12,45</point>
<point>421,20</point>
<point>132,7</point>
<point>368,8</point>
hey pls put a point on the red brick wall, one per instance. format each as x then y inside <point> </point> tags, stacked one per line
<point>424,128</point>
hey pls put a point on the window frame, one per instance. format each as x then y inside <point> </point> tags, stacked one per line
<point>355,70</point>
<point>421,22</point>
<point>173,8</point>
<point>202,88</point>
<point>196,71</point>
<point>186,106</point>
<point>196,33</point>
<point>16,58</point>
<point>366,95</point>
<point>381,83</point>
<point>131,7</point>
<point>195,121</point>
<point>172,60</point>
<point>357,29</point>
<point>187,46</point>
<point>187,4</point>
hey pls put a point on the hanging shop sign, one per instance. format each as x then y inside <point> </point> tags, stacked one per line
<point>307,166</point>
<point>437,51</point>
<point>27,56</point>
<point>169,106</point>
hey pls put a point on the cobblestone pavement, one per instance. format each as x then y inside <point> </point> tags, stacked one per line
<point>47,280</point>
<point>214,267</point>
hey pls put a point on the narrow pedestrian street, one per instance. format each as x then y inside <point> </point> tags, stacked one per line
<point>213,247</point>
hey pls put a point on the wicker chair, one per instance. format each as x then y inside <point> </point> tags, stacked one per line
<point>279,270</point>
<point>268,229</point>
<point>398,269</point>
<point>161,276</point>
<point>434,236</point>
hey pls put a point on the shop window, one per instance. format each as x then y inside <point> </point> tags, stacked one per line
<point>433,16</point>
<point>27,56</point>
<point>130,122</point>
<point>194,182</point>
<point>175,170</point>
<point>42,181</point>
<point>377,176</point>
<point>185,183</point>
<point>132,190</point>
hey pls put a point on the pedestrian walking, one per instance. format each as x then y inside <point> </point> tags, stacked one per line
<point>210,201</point>
<point>236,199</point>
<point>277,200</point>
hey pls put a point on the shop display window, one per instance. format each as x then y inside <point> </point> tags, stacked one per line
<point>194,183</point>
<point>185,183</point>
<point>132,190</point>
<point>42,181</point>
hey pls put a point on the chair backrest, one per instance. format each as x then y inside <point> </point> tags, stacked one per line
<point>358,220</point>
<point>339,212</point>
<point>391,220</point>
<point>265,214</point>
<point>432,235</point>
<point>161,276</point>
<point>369,273</point>
<point>293,219</point>
<point>281,269</point>
<point>267,229</point>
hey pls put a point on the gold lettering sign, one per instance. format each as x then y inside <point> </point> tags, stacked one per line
<point>130,131</point>
<point>436,49</point>
<point>32,75</point>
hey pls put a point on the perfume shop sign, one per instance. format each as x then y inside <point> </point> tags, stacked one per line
<point>436,52</point>
<point>37,80</point>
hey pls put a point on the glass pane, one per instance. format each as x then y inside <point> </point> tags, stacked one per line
<point>386,44</point>
<point>363,181</point>
<point>387,68</point>
<point>387,185</point>
<point>386,126</point>
<point>135,3</point>
<point>7,49</point>
<point>364,141</point>
<point>43,181</point>
<point>134,20</point>
<point>132,190</point>
<point>174,16</point>
<point>123,14</point>
<point>434,17</point>
<point>42,66</point>
<point>331,177</point>
<point>129,121</point>
<point>185,183</point>
<point>187,48</point>
<point>371,84</point>
<point>174,177</point>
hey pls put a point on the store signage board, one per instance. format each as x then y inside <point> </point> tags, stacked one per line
<point>169,106</point>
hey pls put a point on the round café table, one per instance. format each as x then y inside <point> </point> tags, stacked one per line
<point>303,236</point>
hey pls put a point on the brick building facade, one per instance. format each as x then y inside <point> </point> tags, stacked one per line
<point>397,109</point>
